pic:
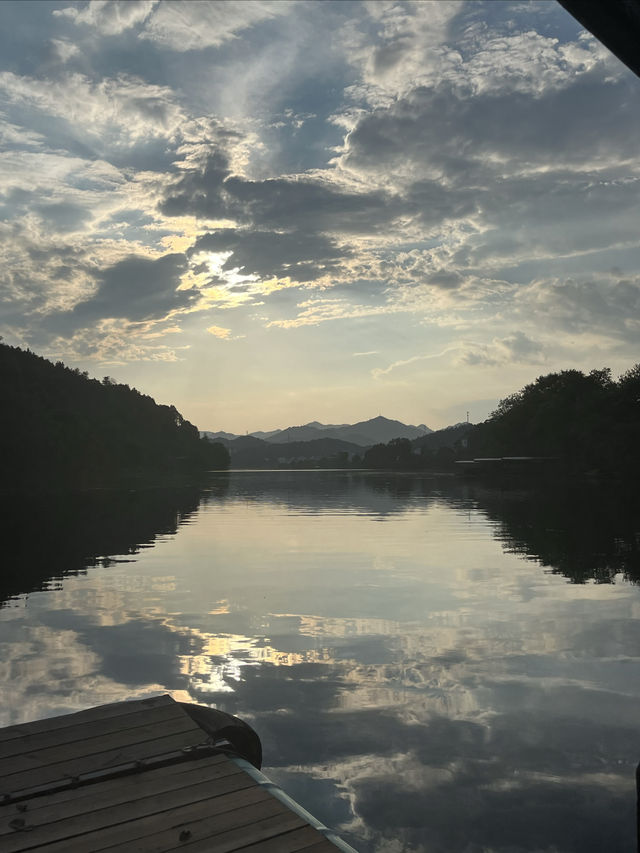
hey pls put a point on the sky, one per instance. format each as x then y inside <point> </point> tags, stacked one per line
<point>267,213</point>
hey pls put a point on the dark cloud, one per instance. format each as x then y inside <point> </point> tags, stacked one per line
<point>448,128</point>
<point>64,216</point>
<point>199,190</point>
<point>278,203</point>
<point>608,304</point>
<point>283,203</point>
<point>460,157</point>
<point>137,288</point>
<point>433,203</point>
<point>446,279</point>
<point>303,256</point>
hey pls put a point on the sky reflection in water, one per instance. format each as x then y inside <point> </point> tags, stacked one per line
<point>413,682</point>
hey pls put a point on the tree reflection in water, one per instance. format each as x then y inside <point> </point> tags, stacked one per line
<point>48,536</point>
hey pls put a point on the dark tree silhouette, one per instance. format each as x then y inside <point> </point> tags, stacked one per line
<point>60,428</point>
<point>588,422</point>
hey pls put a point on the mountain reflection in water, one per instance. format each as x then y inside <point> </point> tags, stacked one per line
<point>431,666</point>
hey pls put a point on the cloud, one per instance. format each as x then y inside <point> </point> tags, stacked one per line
<point>470,46</point>
<point>137,288</point>
<point>198,24</point>
<point>211,191</point>
<point>457,138</point>
<point>118,110</point>
<point>220,332</point>
<point>377,372</point>
<point>64,49</point>
<point>517,347</point>
<point>64,216</point>
<point>606,305</point>
<point>302,256</point>
<point>322,309</point>
<point>110,17</point>
<point>110,341</point>
<point>440,160</point>
<point>410,46</point>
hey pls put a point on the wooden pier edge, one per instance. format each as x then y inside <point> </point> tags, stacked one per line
<point>147,775</point>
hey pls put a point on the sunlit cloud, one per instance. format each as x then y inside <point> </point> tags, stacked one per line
<point>219,332</point>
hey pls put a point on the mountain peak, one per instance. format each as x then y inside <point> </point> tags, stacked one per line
<point>378,430</point>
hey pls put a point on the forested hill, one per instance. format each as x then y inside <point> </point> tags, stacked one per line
<point>588,422</point>
<point>583,423</point>
<point>61,429</point>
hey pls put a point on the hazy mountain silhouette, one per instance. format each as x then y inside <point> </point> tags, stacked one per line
<point>363,433</point>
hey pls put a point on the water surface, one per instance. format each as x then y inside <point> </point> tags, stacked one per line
<point>431,666</point>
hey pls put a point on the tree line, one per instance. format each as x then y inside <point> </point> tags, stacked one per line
<point>61,428</point>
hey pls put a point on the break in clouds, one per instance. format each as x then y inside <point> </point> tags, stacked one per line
<point>170,169</point>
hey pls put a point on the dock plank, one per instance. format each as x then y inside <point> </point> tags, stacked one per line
<point>122,835</point>
<point>104,760</point>
<point>304,839</point>
<point>221,832</point>
<point>30,742</point>
<point>109,786</point>
<point>151,787</point>
<point>97,744</point>
<point>260,828</point>
<point>183,803</point>
<point>102,712</point>
<point>94,746</point>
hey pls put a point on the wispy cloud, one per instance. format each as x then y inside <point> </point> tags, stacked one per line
<point>184,25</point>
<point>110,17</point>
<point>378,372</point>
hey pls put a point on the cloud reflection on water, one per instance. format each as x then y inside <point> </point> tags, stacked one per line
<point>412,681</point>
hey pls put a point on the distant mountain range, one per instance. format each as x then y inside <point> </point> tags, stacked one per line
<point>378,430</point>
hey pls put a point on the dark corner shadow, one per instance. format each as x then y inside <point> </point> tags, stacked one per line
<point>46,537</point>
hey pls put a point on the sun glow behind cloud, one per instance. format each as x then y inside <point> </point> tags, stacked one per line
<point>450,186</point>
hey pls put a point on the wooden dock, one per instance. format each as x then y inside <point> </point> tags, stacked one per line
<point>138,776</point>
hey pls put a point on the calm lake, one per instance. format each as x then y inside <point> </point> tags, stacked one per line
<point>431,665</point>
